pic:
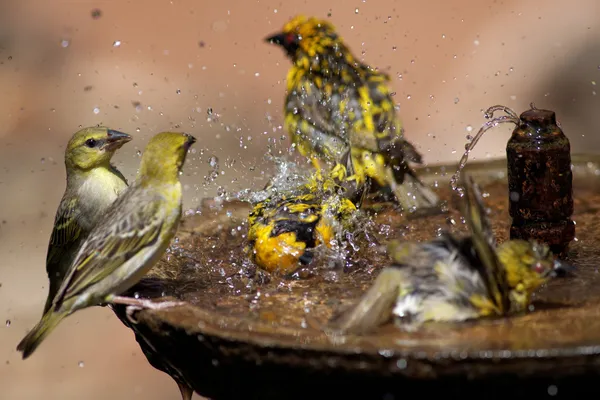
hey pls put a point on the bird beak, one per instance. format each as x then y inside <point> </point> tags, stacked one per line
<point>115,140</point>
<point>562,268</point>
<point>277,38</point>
<point>189,142</point>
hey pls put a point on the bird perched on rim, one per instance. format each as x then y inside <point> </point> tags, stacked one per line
<point>452,279</point>
<point>338,108</point>
<point>93,184</point>
<point>128,240</point>
<point>285,228</point>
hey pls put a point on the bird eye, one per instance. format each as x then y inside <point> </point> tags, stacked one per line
<point>291,38</point>
<point>90,143</point>
<point>539,268</point>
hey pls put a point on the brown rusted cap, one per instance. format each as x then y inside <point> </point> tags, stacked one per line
<point>538,118</point>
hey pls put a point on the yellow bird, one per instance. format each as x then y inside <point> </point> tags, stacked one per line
<point>93,184</point>
<point>452,279</point>
<point>339,110</point>
<point>285,229</point>
<point>128,240</point>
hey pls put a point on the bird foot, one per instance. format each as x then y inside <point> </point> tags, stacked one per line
<point>134,305</point>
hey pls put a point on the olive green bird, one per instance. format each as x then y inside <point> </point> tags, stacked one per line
<point>338,108</point>
<point>452,279</point>
<point>93,184</point>
<point>128,240</point>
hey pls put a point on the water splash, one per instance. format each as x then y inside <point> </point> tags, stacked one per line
<point>288,176</point>
<point>510,117</point>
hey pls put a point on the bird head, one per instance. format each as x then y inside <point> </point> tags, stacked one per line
<point>528,264</point>
<point>164,157</point>
<point>305,39</point>
<point>93,147</point>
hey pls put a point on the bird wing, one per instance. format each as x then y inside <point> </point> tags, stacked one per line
<point>313,112</point>
<point>381,130</point>
<point>129,227</point>
<point>115,171</point>
<point>473,209</point>
<point>66,231</point>
<point>374,307</point>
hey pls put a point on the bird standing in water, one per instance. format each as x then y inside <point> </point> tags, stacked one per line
<point>285,228</point>
<point>339,110</point>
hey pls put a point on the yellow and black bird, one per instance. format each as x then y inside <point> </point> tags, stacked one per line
<point>339,110</point>
<point>452,279</point>
<point>285,228</point>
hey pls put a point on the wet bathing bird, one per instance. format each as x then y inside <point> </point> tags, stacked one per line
<point>285,229</point>
<point>452,279</point>
<point>338,108</point>
<point>93,184</point>
<point>127,241</point>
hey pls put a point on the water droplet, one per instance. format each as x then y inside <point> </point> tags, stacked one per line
<point>65,42</point>
<point>401,363</point>
<point>213,161</point>
<point>469,128</point>
<point>116,43</point>
<point>178,91</point>
<point>476,42</point>
<point>552,390</point>
<point>96,110</point>
<point>456,100</point>
<point>8,322</point>
<point>408,97</point>
<point>96,13</point>
<point>81,364</point>
<point>356,10</point>
<point>443,36</point>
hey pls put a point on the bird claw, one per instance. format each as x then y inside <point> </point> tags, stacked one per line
<point>134,305</point>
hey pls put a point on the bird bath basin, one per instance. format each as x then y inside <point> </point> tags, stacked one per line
<point>244,336</point>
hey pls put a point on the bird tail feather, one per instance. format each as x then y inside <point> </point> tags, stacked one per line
<point>39,332</point>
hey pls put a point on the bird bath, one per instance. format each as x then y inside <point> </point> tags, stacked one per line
<point>251,337</point>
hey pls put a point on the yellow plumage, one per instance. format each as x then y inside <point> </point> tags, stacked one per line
<point>338,108</point>
<point>452,279</point>
<point>285,229</point>
<point>129,239</point>
<point>93,184</point>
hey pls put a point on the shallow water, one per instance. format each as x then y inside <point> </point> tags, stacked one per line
<point>212,272</point>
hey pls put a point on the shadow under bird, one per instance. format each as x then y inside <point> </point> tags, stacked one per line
<point>451,279</point>
<point>128,240</point>
<point>339,110</point>
<point>93,184</point>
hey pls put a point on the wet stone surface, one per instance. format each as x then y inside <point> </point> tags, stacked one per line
<point>248,313</point>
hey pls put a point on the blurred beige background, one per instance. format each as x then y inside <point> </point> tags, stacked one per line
<point>147,66</point>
